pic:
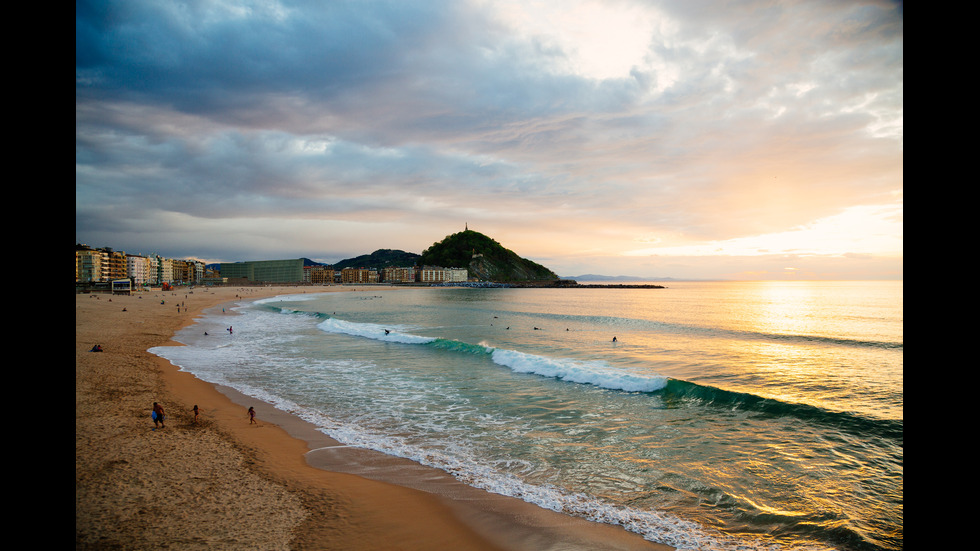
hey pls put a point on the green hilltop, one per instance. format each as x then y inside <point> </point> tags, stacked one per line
<point>485,259</point>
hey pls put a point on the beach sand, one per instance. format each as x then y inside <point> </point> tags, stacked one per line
<point>223,483</point>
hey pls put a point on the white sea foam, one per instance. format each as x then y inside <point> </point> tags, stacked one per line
<point>458,461</point>
<point>372,331</point>
<point>595,372</point>
<point>289,298</point>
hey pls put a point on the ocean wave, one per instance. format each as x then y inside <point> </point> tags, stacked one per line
<point>599,373</point>
<point>616,323</point>
<point>638,324</point>
<point>680,393</point>
<point>372,331</point>
<point>304,297</point>
<point>596,372</point>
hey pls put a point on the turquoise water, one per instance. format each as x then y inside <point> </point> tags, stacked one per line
<point>724,416</point>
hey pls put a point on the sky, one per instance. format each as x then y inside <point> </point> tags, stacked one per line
<point>684,139</point>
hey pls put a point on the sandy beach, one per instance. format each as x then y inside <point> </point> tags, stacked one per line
<point>221,482</point>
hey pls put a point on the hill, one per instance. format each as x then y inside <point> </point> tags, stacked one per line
<point>380,259</point>
<point>486,259</point>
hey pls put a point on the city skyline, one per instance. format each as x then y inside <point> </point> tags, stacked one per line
<point>670,139</point>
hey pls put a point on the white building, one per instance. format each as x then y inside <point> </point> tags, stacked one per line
<point>138,268</point>
<point>437,274</point>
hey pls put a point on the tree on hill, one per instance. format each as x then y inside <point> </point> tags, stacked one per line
<point>457,250</point>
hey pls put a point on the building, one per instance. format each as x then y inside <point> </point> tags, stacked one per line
<point>104,265</point>
<point>138,270</point>
<point>122,287</point>
<point>394,274</point>
<point>264,271</point>
<point>113,265</point>
<point>458,274</point>
<point>164,270</point>
<point>98,265</point>
<point>359,275</point>
<point>186,271</point>
<point>318,274</point>
<point>88,265</point>
<point>438,274</point>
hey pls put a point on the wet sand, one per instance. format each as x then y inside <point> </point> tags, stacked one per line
<point>223,483</point>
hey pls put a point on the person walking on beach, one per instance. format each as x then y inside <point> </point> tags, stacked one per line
<point>196,413</point>
<point>158,416</point>
<point>251,416</point>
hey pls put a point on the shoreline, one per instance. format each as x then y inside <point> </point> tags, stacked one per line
<point>278,484</point>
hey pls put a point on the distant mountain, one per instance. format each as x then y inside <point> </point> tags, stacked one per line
<point>380,259</point>
<point>485,259</point>
<point>596,277</point>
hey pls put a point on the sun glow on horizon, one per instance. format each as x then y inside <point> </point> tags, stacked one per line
<point>866,230</point>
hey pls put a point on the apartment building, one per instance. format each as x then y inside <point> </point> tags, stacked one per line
<point>318,275</point>
<point>359,275</point>
<point>438,274</point>
<point>93,265</point>
<point>101,265</point>
<point>393,274</point>
<point>88,265</point>
<point>138,268</point>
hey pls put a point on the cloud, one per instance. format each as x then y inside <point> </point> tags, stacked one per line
<point>564,128</point>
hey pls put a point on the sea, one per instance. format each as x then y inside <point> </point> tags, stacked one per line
<point>714,416</point>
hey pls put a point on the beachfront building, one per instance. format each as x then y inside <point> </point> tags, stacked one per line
<point>154,262</point>
<point>138,270</point>
<point>394,274</point>
<point>113,265</point>
<point>186,271</point>
<point>165,270</point>
<point>88,264</point>
<point>94,265</point>
<point>358,275</point>
<point>264,271</point>
<point>318,274</point>
<point>432,274</point>
<point>104,265</point>
<point>437,274</point>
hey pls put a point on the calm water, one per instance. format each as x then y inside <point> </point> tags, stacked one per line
<point>724,416</point>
